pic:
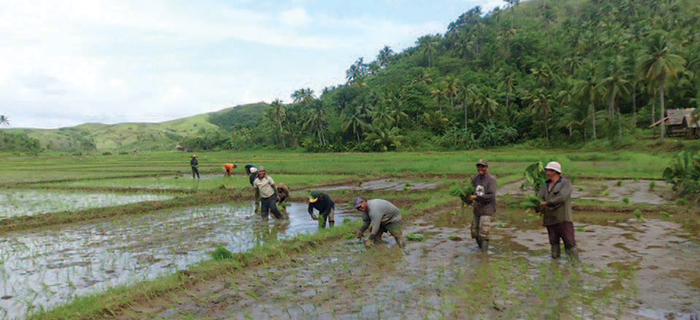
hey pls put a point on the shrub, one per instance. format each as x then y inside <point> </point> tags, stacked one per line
<point>107,153</point>
<point>682,202</point>
<point>626,200</point>
<point>123,153</point>
<point>221,253</point>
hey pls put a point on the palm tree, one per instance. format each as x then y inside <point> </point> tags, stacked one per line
<point>387,139</point>
<point>316,121</point>
<point>466,97</point>
<point>4,120</point>
<point>279,112</point>
<point>435,120</point>
<point>451,88</point>
<point>357,70</point>
<point>384,57</point>
<point>540,103</point>
<point>615,86</point>
<point>657,65</point>
<point>303,95</point>
<point>591,91</point>
<point>427,46</point>
<point>354,123</point>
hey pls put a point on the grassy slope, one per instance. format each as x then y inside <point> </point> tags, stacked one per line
<point>143,136</point>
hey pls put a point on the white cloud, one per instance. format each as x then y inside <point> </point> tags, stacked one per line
<point>295,17</point>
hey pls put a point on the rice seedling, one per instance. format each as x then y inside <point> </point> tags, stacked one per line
<point>415,237</point>
<point>652,185</point>
<point>638,214</point>
<point>666,215</point>
<point>619,183</point>
<point>531,202</point>
<point>682,201</point>
<point>221,253</point>
<point>626,200</point>
<point>462,190</point>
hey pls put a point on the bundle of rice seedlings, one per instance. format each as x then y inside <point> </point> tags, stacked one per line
<point>463,192</point>
<point>535,175</point>
<point>415,237</point>
<point>531,202</point>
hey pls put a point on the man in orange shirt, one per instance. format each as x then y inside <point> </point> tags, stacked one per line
<point>228,168</point>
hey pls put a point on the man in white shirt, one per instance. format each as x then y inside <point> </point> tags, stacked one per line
<point>266,187</point>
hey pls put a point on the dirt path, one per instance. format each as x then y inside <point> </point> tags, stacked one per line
<point>444,277</point>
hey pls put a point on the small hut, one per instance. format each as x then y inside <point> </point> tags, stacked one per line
<point>680,122</point>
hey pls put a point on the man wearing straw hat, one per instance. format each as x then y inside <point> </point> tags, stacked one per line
<point>325,206</point>
<point>194,163</point>
<point>556,211</point>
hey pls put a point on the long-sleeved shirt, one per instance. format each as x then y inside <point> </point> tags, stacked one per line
<point>323,205</point>
<point>379,213</point>
<point>265,186</point>
<point>559,202</point>
<point>194,162</point>
<point>485,192</point>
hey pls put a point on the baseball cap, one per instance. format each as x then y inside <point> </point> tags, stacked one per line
<point>358,202</point>
<point>313,197</point>
<point>482,162</point>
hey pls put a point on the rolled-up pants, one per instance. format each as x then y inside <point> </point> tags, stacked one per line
<point>481,227</point>
<point>270,205</point>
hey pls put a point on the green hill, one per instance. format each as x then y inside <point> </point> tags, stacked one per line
<point>144,136</point>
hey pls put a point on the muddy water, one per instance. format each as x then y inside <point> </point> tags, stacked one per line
<point>668,274</point>
<point>42,269</point>
<point>444,277</point>
<point>607,190</point>
<point>386,184</point>
<point>31,202</point>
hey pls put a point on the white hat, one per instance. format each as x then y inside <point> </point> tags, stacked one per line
<point>554,166</point>
<point>253,170</point>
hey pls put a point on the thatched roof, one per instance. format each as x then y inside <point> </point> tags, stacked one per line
<point>679,117</point>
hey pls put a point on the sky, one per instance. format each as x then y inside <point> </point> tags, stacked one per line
<point>68,62</point>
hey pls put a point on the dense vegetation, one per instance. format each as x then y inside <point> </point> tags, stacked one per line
<point>568,71</point>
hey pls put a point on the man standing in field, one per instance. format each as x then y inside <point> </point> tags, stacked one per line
<point>383,216</point>
<point>484,199</point>
<point>228,168</point>
<point>557,214</point>
<point>265,186</point>
<point>194,163</point>
<point>325,206</point>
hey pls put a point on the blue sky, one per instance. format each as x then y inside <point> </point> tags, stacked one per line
<point>63,63</point>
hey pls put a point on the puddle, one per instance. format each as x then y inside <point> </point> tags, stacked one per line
<point>31,202</point>
<point>43,269</point>
<point>386,184</point>
<point>636,192</point>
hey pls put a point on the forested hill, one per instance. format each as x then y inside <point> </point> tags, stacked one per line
<point>567,71</point>
<point>562,73</point>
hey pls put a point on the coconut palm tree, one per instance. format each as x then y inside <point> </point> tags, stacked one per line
<point>591,91</point>
<point>658,64</point>
<point>384,57</point>
<point>4,120</point>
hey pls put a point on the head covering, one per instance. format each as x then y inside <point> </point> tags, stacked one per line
<point>253,170</point>
<point>313,197</point>
<point>554,166</point>
<point>194,156</point>
<point>261,169</point>
<point>358,202</point>
<point>482,162</point>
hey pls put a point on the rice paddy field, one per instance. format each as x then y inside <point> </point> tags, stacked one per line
<point>135,236</point>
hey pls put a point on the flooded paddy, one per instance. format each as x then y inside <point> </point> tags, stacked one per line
<point>650,275</point>
<point>50,267</point>
<point>386,184</point>
<point>608,190</point>
<point>15,203</point>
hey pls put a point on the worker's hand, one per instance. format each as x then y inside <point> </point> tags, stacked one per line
<point>314,217</point>
<point>544,205</point>
<point>472,198</point>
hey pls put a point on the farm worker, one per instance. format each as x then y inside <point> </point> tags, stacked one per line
<point>484,199</point>
<point>383,216</point>
<point>325,206</point>
<point>228,168</point>
<point>556,211</point>
<point>194,164</point>
<point>248,168</point>
<point>282,192</point>
<point>266,188</point>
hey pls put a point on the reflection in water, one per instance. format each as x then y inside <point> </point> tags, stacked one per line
<point>32,202</point>
<point>43,269</point>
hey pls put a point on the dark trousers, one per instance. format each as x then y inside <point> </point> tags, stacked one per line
<point>564,231</point>
<point>195,172</point>
<point>270,205</point>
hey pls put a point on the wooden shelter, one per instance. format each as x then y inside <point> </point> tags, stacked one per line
<point>680,122</point>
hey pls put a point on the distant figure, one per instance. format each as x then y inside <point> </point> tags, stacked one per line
<point>557,214</point>
<point>194,164</point>
<point>383,216</point>
<point>228,168</point>
<point>325,206</point>
<point>282,192</point>
<point>249,169</point>
<point>267,190</point>
<point>484,199</point>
